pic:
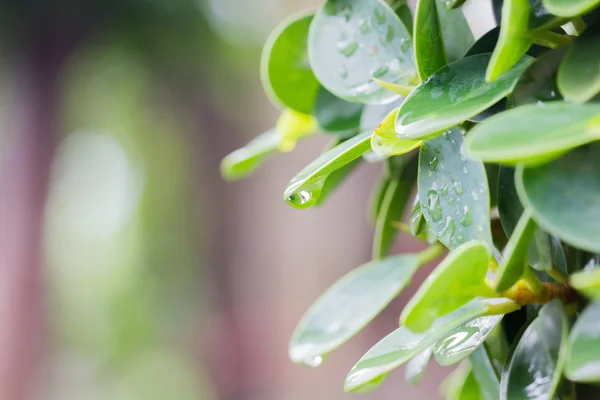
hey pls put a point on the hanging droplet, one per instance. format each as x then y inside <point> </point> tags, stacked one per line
<point>433,204</point>
<point>458,188</point>
<point>314,362</point>
<point>447,233</point>
<point>466,219</point>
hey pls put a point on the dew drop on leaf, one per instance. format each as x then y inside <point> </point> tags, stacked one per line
<point>445,189</point>
<point>447,233</point>
<point>433,204</point>
<point>433,164</point>
<point>466,219</point>
<point>348,47</point>
<point>458,189</point>
<point>380,15</point>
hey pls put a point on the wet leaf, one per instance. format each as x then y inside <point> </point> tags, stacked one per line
<point>453,191</point>
<point>541,19</point>
<point>377,196</point>
<point>579,73</point>
<point>485,374</point>
<point>244,161</point>
<point>402,345</point>
<point>385,140</point>
<point>583,362</point>
<point>417,222</point>
<point>452,95</point>
<point>464,340</point>
<point>430,54</point>
<point>352,41</point>
<point>537,361</point>
<point>533,134</point>
<point>548,190</point>
<point>456,32</point>
<point>305,188</point>
<point>416,367</point>
<point>346,307</point>
<point>336,116</point>
<point>570,8</point>
<point>337,177</point>
<point>514,39</point>
<point>461,384</point>
<point>285,71</point>
<point>455,281</point>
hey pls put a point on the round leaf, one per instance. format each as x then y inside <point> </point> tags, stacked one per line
<point>583,363</point>
<point>352,41</point>
<point>579,73</point>
<point>564,196</point>
<point>456,281</point>
<point>348,306</point>
<point>453,191</point>
<point>385,141</point>
<point>537,361</point>
<point>305,188</point>
<point>430,54</point>
<point>286,73</point>
<point>452,95</point>
<point>533,134</point>
<point>464,340</point>
<point>570,8</point>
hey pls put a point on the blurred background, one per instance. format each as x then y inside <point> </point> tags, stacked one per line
<point>128,269</point>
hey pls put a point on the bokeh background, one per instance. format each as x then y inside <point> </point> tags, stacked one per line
<point>128,268</point>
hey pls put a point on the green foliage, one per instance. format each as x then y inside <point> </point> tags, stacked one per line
<point>511,119</point>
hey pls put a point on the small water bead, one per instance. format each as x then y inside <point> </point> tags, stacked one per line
<point>405,45</point>
<point>348,47</point>
<point>447,233</point>
<point>380,15</point>
<point>343,72</point>
<point>347,13</point>
<point>314,362</point>
<point>433,204</point>
<point>433,164</point>
<point>380,72</point>
<point>436,93</point>
<point>467,219</point>
<point>389,35</point>
<point>465,170</point>
<point>474,195</point>
<point>445,135</point>
<point>445,189</point>
<point>425,146</point>
<point>437,150</point>
<point>451,201</point>
<point>458,188</point>
<point>364,25</point>
<point>300,198</point>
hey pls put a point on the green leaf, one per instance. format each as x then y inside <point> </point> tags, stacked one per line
<point>583,362</point>
<point>392,207</point>
<point>461,384</point>
<point>485,374</point>
<point>538,359</point>
<point>587,282</point>
<point>305,188</point>
<point>456,281</point>
<point>541,19</point>
<point>564,196</point>
<point>244,161</point>
<point>349,305</point>
<point>534,133</point>
<point>373,115</point>
<point>337,177</point>
<point>385,141</point>
<point>464,340</point>
<point>510,208</point>
<point>452,95</point>
<point>452,4</point>
<point>417,222</point>
<point>402,345</point>
<point>485,44</point>
<point>538,82</point>
<point>430,54</point>
<point>352,41</point>
<point>515,253</point>
<point>453,191</point>
<point>579,74</point>
<point>285,70</point>
<point>416,367</point>
<point>514,39</point>
<point>570,8</point>
<point>456,32</point>
<point>377,196</point>
<point>403,12</point>
<point>336,116</point>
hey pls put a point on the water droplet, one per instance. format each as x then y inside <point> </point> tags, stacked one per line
<point>465,170</point>
<point>405,45</point>
<point>451,202</point>
<point>425,146</point>
<point>436,94</point>
<point>433,164</point>
<point>447,233</point>
<point>364,25</point>
<point>437,150</point>
<point>389,35</point>
<point>466,220</point>
<point>347,13</point>
<point>445,189</point>
<point>301,198</point>
<point>458,188</point>
<point>381,71</point>
<point>343,71</point>
<point>347,48</point>
<point>463,156</point>
<point>380,15</point>
<point>314,362</point>
<point>474,195</point>
<point>433,204</point>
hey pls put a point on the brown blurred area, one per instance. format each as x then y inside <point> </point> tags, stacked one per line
<point>128,268</point>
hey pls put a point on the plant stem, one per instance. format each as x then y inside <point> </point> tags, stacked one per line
<point>551,40</point>
<point>521,294</point>
<point>431,253</point>
<point>558,275</point>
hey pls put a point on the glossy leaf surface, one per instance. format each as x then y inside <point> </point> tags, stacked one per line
<point>464,340</point>
<point>385,140</point>
<point>453,191</point>
<point>305,188</point>
<point>392,207</point>
<point>286,73</point>
<point>402,345</point>
<point>537,362</point>
<point>456,32</point>
<point>583,363</point>
<point>346,307</point>
<point>455,281</point>
<point>416,367</point>
<point>579,73</point>
<point>336,116</point>
<point>533,133</point>
<point>570,8</point>
<point>461,385</point>
<point>452,95</point>
<point>430,54</point>
<point>587,282</point>
<point>514,40</point>
<point>352,41</point>
<point>485,374</point>
<point>548,190</point>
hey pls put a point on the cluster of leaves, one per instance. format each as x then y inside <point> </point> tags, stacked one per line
<point>498,136</point>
